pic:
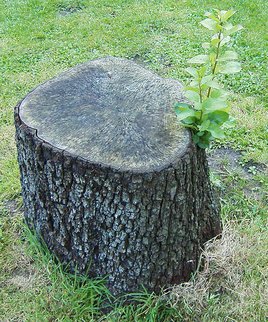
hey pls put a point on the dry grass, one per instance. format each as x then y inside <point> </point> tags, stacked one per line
<point>223,279</point>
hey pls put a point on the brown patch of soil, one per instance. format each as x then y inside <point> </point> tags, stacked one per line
<point>224,160</point>
<point>22,279</point>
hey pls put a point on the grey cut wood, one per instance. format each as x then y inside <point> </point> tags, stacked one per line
<point>110,181</point>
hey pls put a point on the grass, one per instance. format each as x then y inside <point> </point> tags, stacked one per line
<point>38,40</point>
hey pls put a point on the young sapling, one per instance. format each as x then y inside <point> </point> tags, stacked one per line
<point>208,111</point>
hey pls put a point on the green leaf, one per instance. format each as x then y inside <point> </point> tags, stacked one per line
<point>196,138</point>
<point>198,106</point>
<point>206,79</point>
<point>209,24</point>
<point>203,144</point>
<point>228,26</point>
<point>194,83</point>
<point>215,41</point>
<point>191,88</point>
<point>230,67</point>
<point>225,15</point>
<point>219,27</point>
<point>202,71</point>
<point>182,106</point>
<point>213,104</point>
<point>216,131</point>
<point>190,121</point>
<point>218,117</point>
<point>195,118</point>
<point>183,110</point>
<point>228,55</point>
<point>230,123</point>
<point>211,16</point>
<point>219,93</point>
<point>192,71</point>
<point>214,84</point>
<point>190,125</point>
<point>212,58</point>
<point>204,125</point>
<point>193,96</point>
<point>202,141</point>
<point>225,40</point>
<point>199,59</point>
<point>232,29</point>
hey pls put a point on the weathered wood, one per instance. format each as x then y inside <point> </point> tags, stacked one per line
<point>110,180</point>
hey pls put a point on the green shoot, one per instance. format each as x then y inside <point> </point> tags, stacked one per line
<point>208,113</point>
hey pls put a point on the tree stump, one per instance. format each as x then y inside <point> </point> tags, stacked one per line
<point>110,181</point>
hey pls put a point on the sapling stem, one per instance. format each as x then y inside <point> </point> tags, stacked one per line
<point>200,92</point>
<point>216,61</point>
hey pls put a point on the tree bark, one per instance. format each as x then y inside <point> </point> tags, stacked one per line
<point>138,218</point>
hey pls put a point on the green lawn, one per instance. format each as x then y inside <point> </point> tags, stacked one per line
<point>41,38</point>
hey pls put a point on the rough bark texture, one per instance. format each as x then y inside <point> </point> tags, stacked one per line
<point>135,227</point>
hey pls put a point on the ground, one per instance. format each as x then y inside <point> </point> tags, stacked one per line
<point>38,40</point>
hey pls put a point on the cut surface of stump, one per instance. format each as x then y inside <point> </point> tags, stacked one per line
<point>110,181</point>
<point>111,112</point>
